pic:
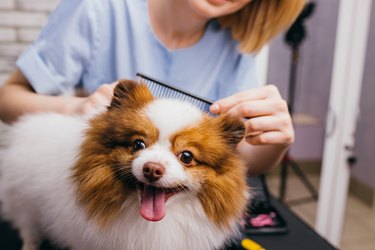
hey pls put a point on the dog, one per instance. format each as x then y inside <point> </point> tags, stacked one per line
<point>146,173</point>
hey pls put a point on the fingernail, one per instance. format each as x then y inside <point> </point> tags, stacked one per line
<point>215,108</point>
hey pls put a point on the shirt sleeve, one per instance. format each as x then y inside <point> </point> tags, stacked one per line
<point>57,60</point>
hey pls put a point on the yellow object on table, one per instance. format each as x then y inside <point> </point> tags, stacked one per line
<point>251,245</point>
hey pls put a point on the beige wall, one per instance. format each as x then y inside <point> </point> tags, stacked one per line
<point>313,77</point>
<point>365,138</point>
<point>313,88</point>
<point>20,24</point>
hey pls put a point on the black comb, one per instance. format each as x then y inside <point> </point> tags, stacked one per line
<point>163,90</point>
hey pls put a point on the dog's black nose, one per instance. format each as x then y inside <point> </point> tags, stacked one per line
<point>153,171</point>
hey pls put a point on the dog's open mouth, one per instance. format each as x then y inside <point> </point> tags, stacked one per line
<point>153,200</point>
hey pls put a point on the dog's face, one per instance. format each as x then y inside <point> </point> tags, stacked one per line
<point>160,149</point>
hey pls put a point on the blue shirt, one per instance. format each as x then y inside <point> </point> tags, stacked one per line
<point>89,42</point>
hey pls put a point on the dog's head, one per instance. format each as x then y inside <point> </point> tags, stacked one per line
<point>161,149</point>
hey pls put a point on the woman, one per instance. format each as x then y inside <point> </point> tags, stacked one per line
<point>203,46</point>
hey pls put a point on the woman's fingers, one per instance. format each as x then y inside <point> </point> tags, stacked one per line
<point>268,123</point>
<point>266,114</point>
<point>270,130</point>
<point>259,108</point>
<point>266,92</point>
<point>106,89</point>
<point>271,138</point>
<point>98,100</point>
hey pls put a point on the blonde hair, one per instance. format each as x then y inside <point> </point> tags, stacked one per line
<point>261,20</point>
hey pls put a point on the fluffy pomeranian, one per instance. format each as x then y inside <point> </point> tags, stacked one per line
<point>145,173</point>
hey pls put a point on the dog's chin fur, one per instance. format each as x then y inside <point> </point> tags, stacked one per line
<point>75,180</point>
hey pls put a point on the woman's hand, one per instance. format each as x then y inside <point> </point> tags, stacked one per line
<point>93,103</point>
<point>269,121</point>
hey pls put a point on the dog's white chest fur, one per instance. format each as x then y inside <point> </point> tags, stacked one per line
<point>37,194</point>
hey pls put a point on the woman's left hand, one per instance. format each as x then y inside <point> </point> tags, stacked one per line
<point>269,121</point>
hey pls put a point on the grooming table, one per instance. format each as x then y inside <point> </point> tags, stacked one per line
<point>299,236</point>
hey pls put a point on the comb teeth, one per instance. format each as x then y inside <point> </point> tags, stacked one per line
<point>163,90</point>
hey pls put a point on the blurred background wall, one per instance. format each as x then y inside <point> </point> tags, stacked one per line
<point>313,78</point>
<point>20,24</point>
<point>365,144</point>
<point>313,90</point>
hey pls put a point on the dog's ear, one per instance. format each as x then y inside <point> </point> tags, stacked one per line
<point>232,128</point>
<point>130,94</point>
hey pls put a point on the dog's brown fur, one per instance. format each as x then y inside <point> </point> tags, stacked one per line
<point>103,170</point>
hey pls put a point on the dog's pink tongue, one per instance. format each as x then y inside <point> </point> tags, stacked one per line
<point>152,203</point>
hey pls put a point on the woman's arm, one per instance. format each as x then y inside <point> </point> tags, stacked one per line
<point>265,111</point>
<point>18,98</point>
<point>262,158</point>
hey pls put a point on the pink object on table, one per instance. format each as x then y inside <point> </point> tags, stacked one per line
<point>262,220</point>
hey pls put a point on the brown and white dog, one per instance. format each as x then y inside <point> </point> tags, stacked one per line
<point>144,174</point>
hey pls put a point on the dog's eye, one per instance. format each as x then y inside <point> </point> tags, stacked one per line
<point>138,145</point>
<point>186,157</point>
